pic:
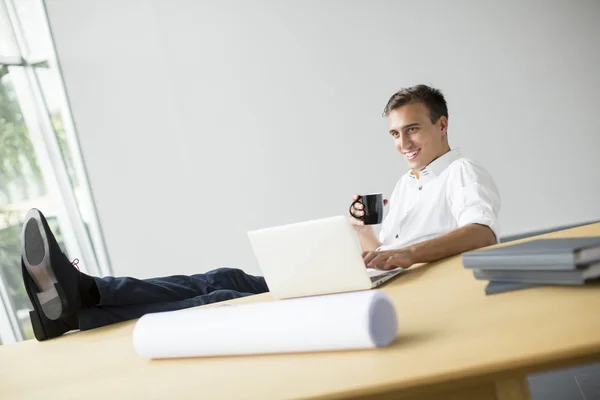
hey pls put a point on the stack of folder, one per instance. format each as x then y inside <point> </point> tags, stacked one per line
<point>558,261</point>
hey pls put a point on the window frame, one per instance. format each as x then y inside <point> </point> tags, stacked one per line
<point>86,242</point>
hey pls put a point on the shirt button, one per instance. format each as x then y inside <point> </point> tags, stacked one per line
<point>397,236</point>
<point>420,187</point>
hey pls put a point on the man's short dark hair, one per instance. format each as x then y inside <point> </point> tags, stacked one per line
<point>432,98</point>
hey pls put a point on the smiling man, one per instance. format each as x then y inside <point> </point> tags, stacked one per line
<point>445,205</point>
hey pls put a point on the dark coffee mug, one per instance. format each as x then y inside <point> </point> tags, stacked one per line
<point>373,208</point>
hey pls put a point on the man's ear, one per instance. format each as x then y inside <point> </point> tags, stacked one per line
<point>443,122</point>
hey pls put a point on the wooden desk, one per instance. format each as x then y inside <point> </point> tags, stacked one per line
<point>453,343</point>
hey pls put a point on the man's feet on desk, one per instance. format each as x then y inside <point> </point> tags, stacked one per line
<point>56,289</point>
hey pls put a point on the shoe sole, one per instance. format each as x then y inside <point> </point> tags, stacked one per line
<point>36,258</point>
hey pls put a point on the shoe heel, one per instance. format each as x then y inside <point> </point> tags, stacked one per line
<point>53,302</point>
<point>36,323</point>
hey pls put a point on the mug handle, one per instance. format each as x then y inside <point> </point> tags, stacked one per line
<point>350,209</point>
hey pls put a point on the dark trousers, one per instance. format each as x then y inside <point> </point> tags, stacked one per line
<point>123,299</point>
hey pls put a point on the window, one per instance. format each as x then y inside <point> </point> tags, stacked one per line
<point>40,161</point>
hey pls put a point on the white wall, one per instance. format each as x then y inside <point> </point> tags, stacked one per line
<point>200,120</point>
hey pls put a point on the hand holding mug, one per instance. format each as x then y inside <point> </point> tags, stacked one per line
<point>367,210</point>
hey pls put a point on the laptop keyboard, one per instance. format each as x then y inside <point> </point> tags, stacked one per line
<point>375,278</point>
<point>376,274</point>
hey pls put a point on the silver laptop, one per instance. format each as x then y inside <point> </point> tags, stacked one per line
<point>314,257</point>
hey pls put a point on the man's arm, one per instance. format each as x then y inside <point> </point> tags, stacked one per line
<point>369,241</point>
<point>458,241</point>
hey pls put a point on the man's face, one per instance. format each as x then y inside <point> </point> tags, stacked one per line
<point>415,137</point>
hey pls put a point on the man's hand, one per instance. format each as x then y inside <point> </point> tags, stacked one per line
<point>389,259</point>
<point>357,210</point>
<point>366,235</point>
<point>466,238</point>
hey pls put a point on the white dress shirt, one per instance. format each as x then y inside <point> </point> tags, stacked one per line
<point>449,193</point>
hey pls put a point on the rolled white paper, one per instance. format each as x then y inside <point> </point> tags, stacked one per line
<point>356,320</point>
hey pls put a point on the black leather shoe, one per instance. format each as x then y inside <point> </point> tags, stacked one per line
<point>44,328</point>
<point>52,282</point>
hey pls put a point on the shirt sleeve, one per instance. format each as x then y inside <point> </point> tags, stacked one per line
<point>473,196</point>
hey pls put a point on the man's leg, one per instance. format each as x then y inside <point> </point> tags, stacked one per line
<point>58,291</point>
<point>95,317</point>
<point>130,291</point>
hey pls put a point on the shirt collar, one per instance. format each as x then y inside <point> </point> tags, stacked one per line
<point>437,166</point>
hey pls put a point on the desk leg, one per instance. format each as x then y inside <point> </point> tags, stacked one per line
<point>509,389</point>
<point>513,389</point>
